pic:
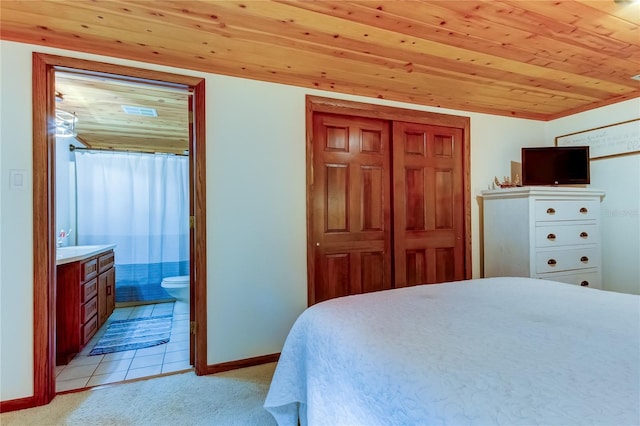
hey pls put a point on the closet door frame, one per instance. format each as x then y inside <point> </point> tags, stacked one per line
<point>315,104</point>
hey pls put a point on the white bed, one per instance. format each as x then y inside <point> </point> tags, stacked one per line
<point>509,351</point>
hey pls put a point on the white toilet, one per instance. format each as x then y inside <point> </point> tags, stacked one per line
<point>178,287</point>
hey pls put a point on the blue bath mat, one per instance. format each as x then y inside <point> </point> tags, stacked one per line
<point>136,333</point>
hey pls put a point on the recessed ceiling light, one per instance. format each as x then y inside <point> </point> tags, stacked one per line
<point>142,111</point>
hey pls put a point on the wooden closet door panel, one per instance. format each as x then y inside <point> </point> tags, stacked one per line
<point>428,204</point>
<point>351,205</point>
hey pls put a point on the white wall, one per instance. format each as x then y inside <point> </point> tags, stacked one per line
<point>64,196</point>
<point>619,177</point>
<point>16,274</point>
<point>256,218</point>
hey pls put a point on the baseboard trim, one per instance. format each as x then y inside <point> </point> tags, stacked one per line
<point>242,363</point>
<point>30,402</point>
<point>18,404</point>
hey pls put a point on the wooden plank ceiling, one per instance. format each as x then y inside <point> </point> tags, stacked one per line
<point>100,103</point>
<point>531,59</point>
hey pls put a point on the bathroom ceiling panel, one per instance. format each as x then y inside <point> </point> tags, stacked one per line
<point>100,102</point>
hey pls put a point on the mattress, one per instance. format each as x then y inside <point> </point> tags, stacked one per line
<point>513,351</point>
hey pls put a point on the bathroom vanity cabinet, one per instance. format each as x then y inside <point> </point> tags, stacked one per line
<point>85,297</point>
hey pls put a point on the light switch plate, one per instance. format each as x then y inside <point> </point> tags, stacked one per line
<point>16,179</point>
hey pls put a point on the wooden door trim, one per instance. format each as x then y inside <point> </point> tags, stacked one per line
<point>44,267</point>
<point>360,109</point>
<point>337,106</point>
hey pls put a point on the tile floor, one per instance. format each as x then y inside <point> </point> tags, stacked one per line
<point>86,371</point>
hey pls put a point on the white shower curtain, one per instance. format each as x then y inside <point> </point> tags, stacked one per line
<point>140,202</point>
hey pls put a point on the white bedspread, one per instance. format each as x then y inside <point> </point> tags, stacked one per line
<point>509,351</point>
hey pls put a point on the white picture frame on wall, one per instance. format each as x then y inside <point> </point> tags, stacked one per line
<point>607,141</point>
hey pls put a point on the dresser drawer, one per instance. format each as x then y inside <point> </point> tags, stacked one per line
<point>88,329</point>
<point>552,210</point>
<point>89,269</point>
<point>89,290</point>
<point>584,279</point>
<point>105,261</point>
<point>89,309</point>
<point>568,259</point>
<point>565,235</point>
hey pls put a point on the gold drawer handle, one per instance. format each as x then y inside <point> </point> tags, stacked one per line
<point>583,235</point>
<point>584,283</point>
<point>551,237</point>
<point>551,210</point>
<point>584,210</point>
<point>551,262</point>
<point>584,259</point>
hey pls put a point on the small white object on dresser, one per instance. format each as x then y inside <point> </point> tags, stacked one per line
<point>543,232</point>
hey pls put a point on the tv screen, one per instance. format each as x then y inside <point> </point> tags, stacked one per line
<point>555,165</point>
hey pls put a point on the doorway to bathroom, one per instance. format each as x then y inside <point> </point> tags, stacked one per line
<point>137,205</point>
<point>122,181</point>
<point>157,244</point>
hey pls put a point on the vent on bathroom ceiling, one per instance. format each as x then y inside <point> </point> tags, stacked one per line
<point>143,111</point>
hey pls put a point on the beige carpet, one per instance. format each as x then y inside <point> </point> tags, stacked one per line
<point>230,398</point>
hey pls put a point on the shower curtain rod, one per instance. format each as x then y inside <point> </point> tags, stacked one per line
<point>77,148</point>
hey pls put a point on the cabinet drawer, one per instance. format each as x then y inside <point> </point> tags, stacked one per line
<point>89,269</point>
<point>584,279</point>
<point>89,309</point>
<point>559,235</point>
<point>89,329</point>
<point>552,210</point>
<point>105,261</point>
<point>89,290</point>
<point>564,260</point>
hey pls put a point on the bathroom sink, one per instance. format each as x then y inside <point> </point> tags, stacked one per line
<point>74,249</point>
<point>72,253</point>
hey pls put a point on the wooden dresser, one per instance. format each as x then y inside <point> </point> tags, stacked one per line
<point>84,300</point>
<point>543,232</point>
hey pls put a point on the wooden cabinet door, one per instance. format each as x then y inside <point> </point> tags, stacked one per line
<point>106,294</point>
<point>428,204</point>
<point>103,282</point>
<point>351,226</point>
<point>111,291</point>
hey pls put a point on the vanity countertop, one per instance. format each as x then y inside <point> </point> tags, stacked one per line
<point>74,253</point>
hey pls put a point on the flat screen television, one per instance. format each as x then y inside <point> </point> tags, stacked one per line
<point>562,165</point>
